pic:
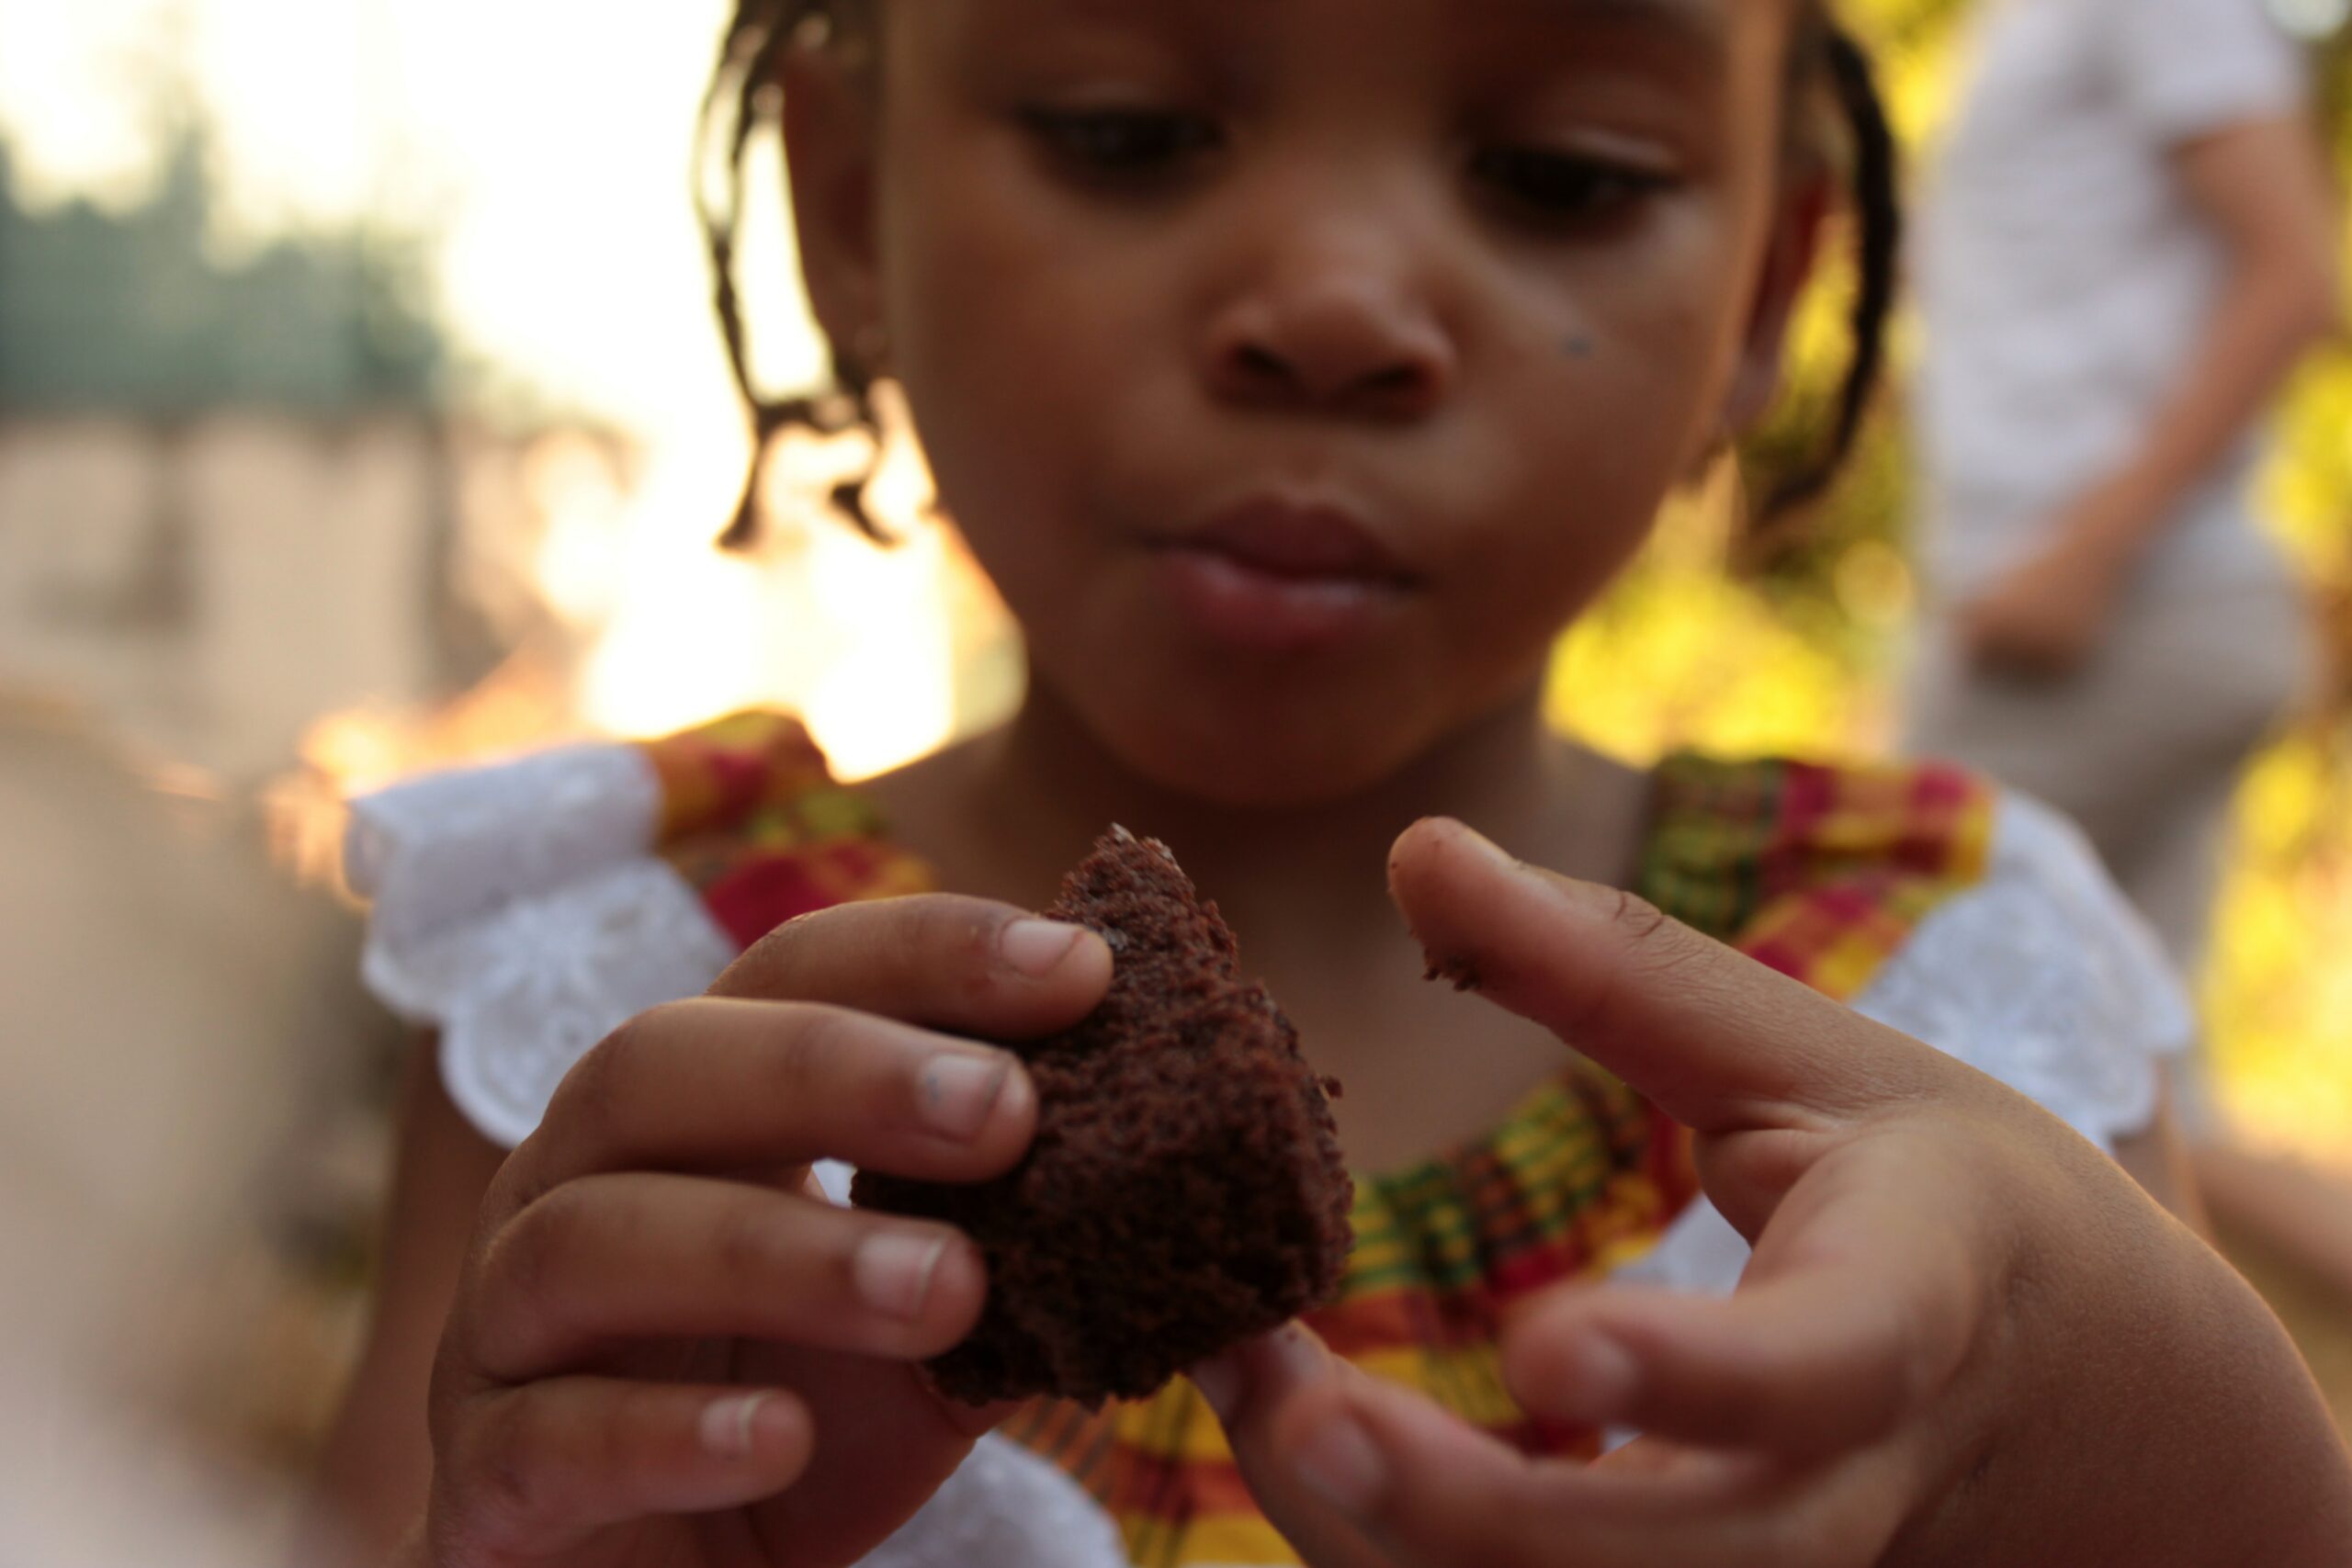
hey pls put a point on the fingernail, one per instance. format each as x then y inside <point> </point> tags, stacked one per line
<point>726,1424</point>
<point>1219,1381</point>
<point>1486,849</point>
<point>1583,895</point>
<point>893,1271</point>
<point>1597,1383</point>
<point>1339,1462</point>
<point>1297,1355</point>
<point>1036,948</point>
<point>959,1090</point>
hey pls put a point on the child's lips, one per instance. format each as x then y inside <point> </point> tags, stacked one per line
<point>1304,541</point>
<point>1248,607</point>
<point>1278,577</point>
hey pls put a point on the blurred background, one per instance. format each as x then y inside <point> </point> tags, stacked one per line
<point>360,410</point>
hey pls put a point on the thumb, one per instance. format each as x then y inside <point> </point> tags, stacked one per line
<point>1264,1393</point>
<point>1715,1039</point>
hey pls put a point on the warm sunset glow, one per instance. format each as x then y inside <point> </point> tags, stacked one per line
<point>863,642</point>
<point>858,641</point>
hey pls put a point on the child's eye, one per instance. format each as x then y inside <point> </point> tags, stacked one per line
<point>1558,187</point>
<point>1123,142</point>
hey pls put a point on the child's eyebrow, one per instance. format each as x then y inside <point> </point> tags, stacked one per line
<point>1695,25</point>
<point>1694,33</point>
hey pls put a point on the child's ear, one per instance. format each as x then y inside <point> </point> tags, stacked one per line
<point>830,144</point>
<point>1795,246</point>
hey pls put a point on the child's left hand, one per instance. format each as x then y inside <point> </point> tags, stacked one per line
<point>1965,1335</point>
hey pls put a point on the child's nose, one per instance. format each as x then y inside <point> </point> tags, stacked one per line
<point>1343,341</point>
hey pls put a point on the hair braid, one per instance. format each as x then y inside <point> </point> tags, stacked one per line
<point>1878,209</point>
<point>744,93</point>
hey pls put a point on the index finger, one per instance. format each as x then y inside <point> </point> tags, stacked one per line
<point>967,965</point>
<point>1715,1039</point>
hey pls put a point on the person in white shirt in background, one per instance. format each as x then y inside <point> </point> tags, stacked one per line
<point>2130,244</point>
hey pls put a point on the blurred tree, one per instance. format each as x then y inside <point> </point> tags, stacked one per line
<point>133,312</point>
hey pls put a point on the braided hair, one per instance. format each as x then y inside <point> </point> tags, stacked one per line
<point>747,94</point>
<point>1831,54</point>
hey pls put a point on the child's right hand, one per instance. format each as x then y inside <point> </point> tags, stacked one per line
<point>668,1348</point>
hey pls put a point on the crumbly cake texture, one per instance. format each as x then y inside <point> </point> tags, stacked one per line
<point>1185,1191</point>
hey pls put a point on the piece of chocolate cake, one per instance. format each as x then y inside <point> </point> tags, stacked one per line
<point>1185,1191</point>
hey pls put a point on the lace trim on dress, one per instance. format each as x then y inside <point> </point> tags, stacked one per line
<point>438,849</point>
<point>1004,1506</point>
<point>521,913</point>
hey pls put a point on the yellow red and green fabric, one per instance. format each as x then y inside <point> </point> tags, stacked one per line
<point>1819,872</point>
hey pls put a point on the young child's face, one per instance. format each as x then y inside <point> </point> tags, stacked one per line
<point>1298,369</point>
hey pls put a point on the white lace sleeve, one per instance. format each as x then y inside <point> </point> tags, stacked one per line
<point>1005,1509</point>
<point>2041,975</point>
<point>520,912</point>
<point>2045,977</point>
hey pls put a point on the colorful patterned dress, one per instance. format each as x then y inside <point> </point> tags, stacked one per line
<point>1822,873</point>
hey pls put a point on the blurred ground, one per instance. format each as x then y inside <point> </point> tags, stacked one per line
<point>190,1139</point>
